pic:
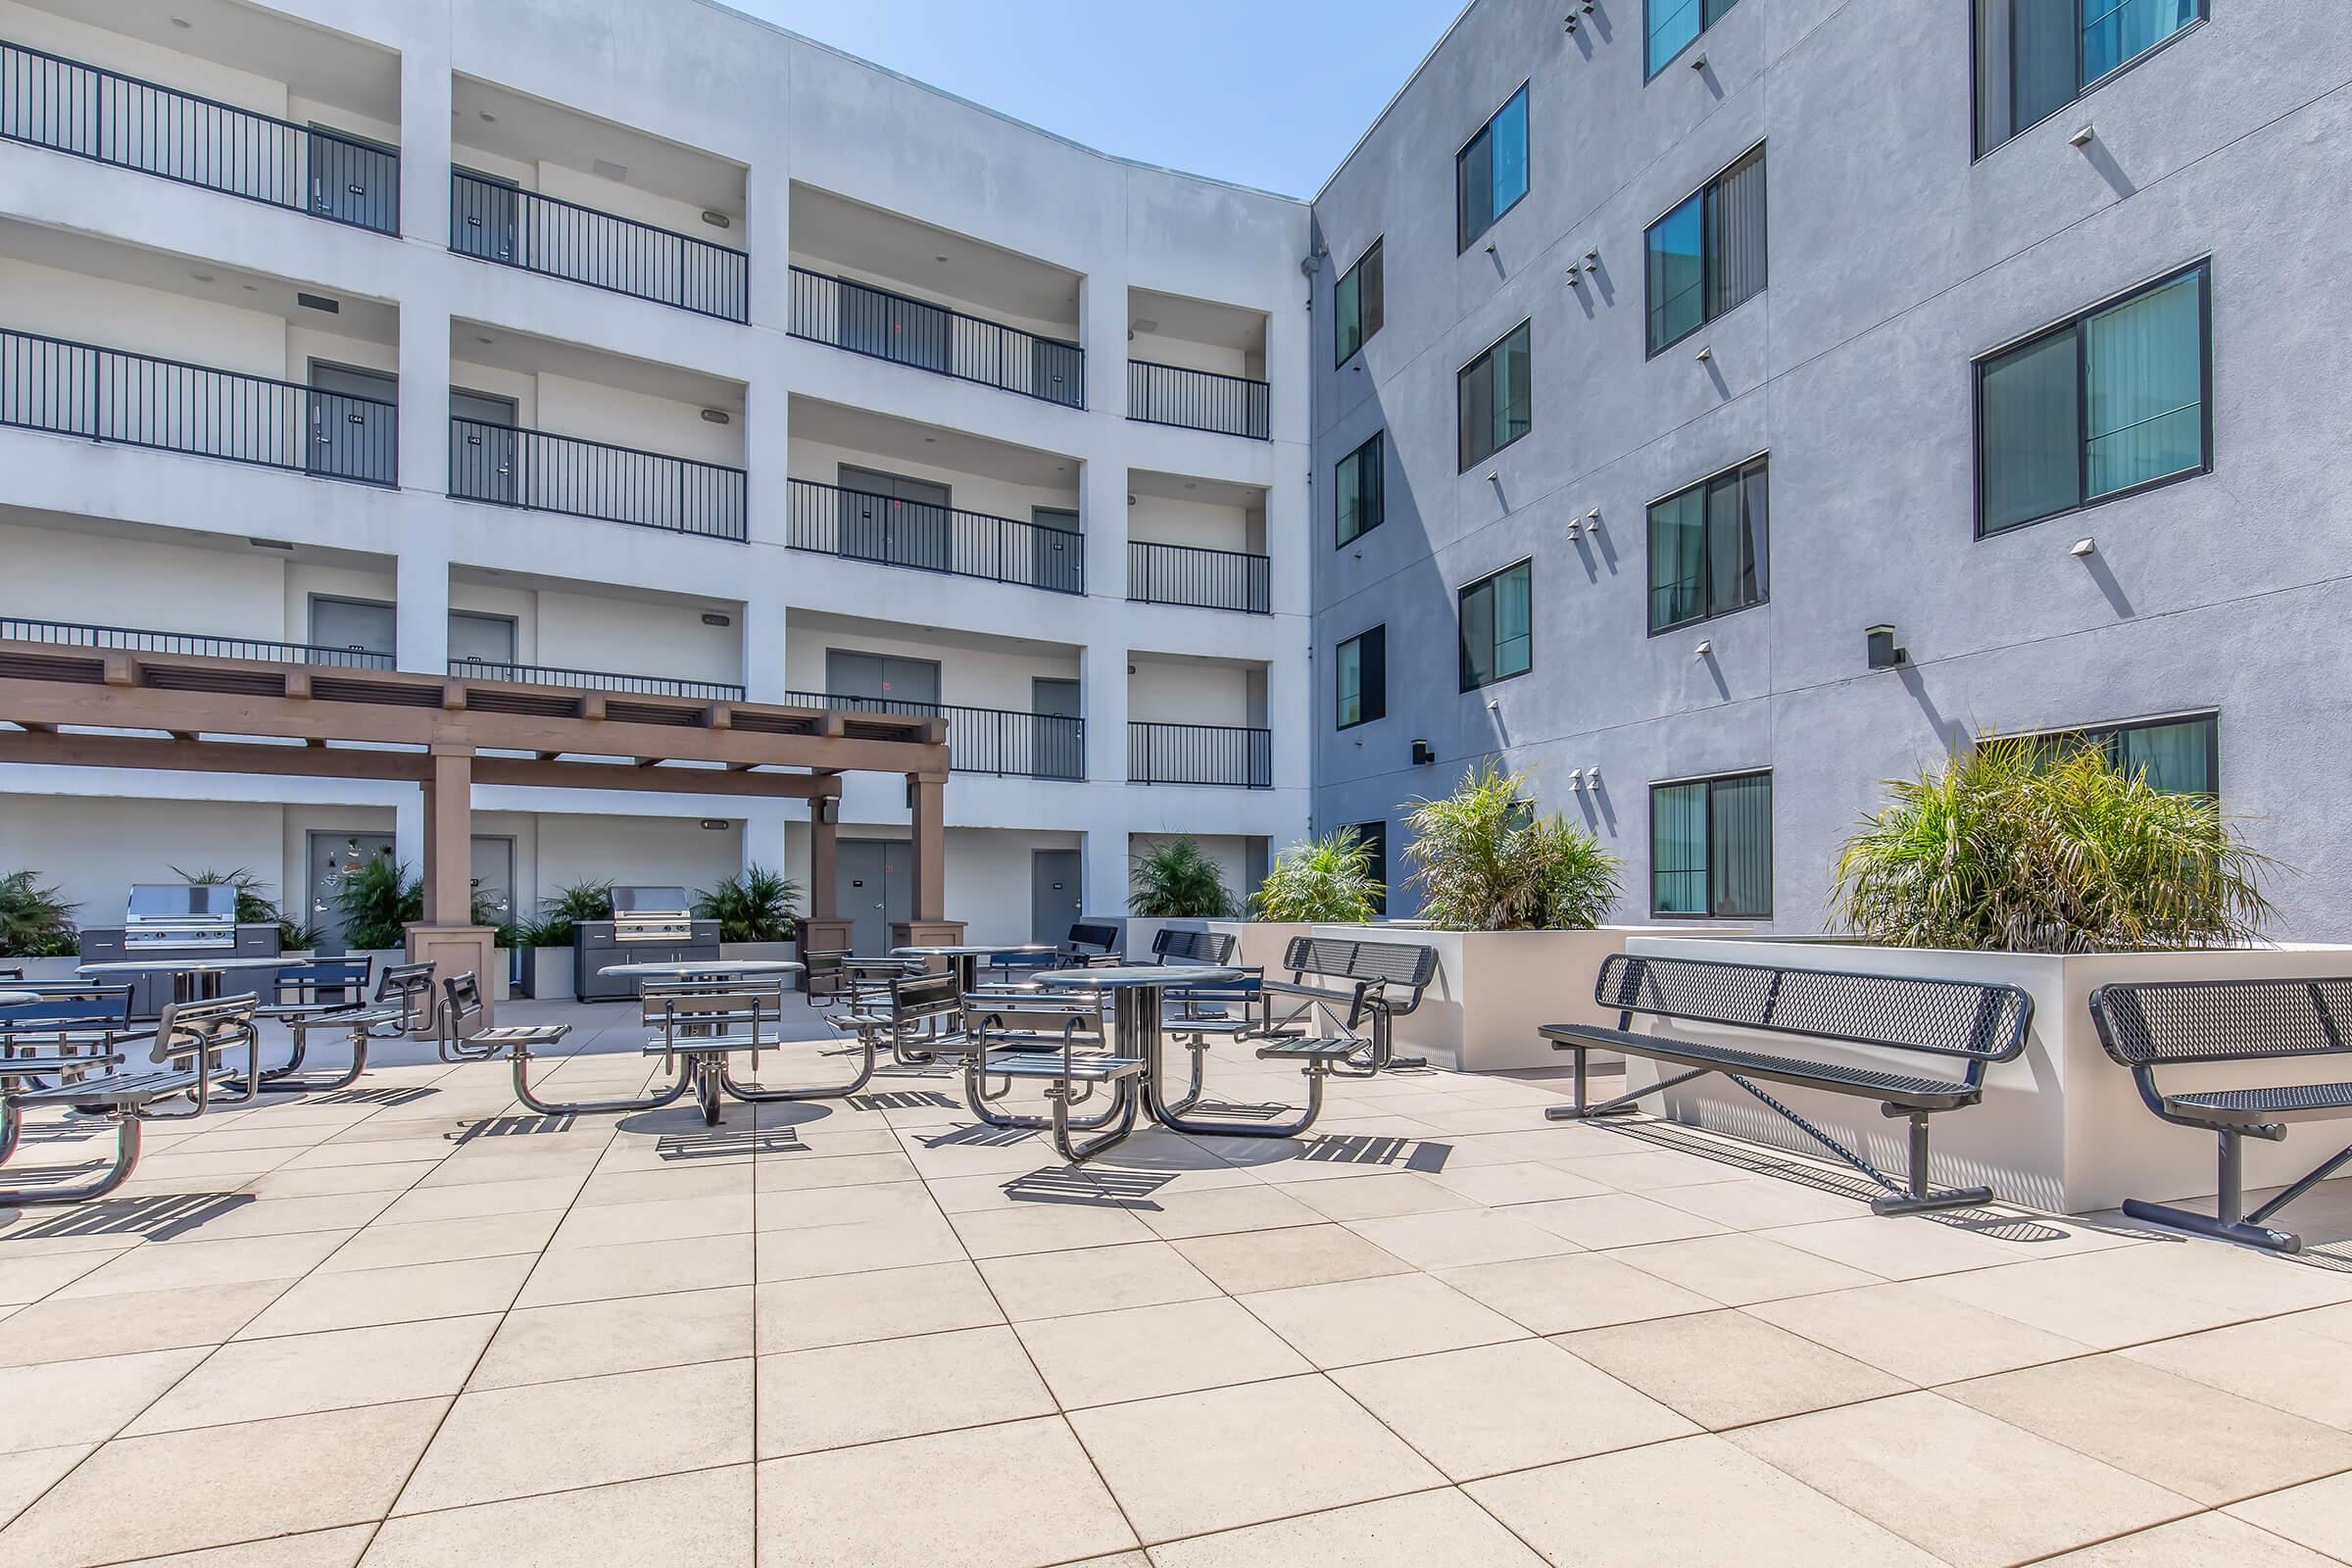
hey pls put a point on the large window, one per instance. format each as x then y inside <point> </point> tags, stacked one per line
<point>2177,755</point>
<point>1710,846</point>
<point>1359,488</point>
<point>1489,173</point>
<point>1674,25</point>
<point>1357,305</point>
<point>2108,402</point>
<point>1706,258</point>
<point>1494,398</point>
<point>2034,57</point>
<point>1707,549</point>
<point>1497,642</point>
<point>1362,677</point>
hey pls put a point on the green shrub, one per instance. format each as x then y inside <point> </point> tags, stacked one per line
<point>35,922</point>
<point>1484,861</point>
<point>1327,879</point>
<point>1178,881</point>
<point>377,903</point>
<point>256,908</point>
<point>580,901</point>
<point>759,906</point>
<point>2015,848</point>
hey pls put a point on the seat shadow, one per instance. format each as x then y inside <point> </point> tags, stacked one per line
<point>162,1217</point>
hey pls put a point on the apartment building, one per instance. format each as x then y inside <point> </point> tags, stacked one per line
<point>1721,408</point>
<point>656,351</point>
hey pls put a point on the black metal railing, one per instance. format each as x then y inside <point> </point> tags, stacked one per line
<point>104,116</point>
<point>137,640</point>
<point>582,478</point>
<point>984,740</point>
<point>865,527</point>
<point>1198,400</point>
<point>101,394</point>
<point>1199,754</point>
<point>1207,579</point>
<point>495,222</point>
<point>865,319</point>
<point>602,680</point>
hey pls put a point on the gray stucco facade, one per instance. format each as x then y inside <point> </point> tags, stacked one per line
<point>1896,261</point>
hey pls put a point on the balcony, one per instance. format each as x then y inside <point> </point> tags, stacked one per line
<point>1197,365</point>
<point>903,330</point>
<point>1199,754</point>
<point>493,220</point>
<point>1198,400</point>
<point>137,640</point>
<point>601,680</point>
<point>862,525</point>
<point>1206,579</point>
<point>985,740</point>
<point>102,394</point>
<point>88,111</point>
<point>539,471</point>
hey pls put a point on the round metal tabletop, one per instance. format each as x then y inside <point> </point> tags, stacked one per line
<point>185,965</point>
<point>720,967</point>
<point>1136,974</point>
<point>974,951</point>
<point>18,999</point>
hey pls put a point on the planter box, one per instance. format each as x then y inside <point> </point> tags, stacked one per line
<point>551,973</point>
<point>2062,1127</point>
<point>46,968</point>
<point>785,951</point>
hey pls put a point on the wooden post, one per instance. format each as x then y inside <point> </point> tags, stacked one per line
<point>823,834</point>
<point>929,925</point>
<point>449,837</point>
<point>429,912</point>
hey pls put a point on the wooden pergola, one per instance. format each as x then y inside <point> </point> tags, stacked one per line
<point>200,715</point>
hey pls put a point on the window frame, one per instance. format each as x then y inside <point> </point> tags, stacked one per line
<point>2210,717</point>
<point>1378,835</point>
<point>1710,780</point>
<point>1462,241</point>
<point>1648,75</point>
<point>1379,438</point>
<point>1977,149</point>
<point>1708,246</point>
<point>2202,270</point>
<point>1487,355</point>
<point>1337,666</point>
<point>1339,361</point>
<point>1760,460</point>
<point>1461,596</point>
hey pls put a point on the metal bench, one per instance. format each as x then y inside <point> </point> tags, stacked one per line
<point>846,980</point>
<point>187,1048</point>
<point>1360,988</point>
<point>64,1016</point>
<point>460,1004</point>
<point>330,996</point>
<point>1088,946</point>
<point>705,1023</point>
<point>1058,1041</point>
<point>2148,1024</point>
<point>917,1014</point>
<point>1962,1020</point>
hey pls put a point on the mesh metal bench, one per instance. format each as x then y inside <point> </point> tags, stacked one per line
<point>845,979</point>
<point>1059,1041</point>
<point>460,1004</point>
<point>328,996</point>
<point>1963,1020</point>
<point>2145,1025</point>
<point>66,1023</point>
<point>916,1014</point>
<point>1086,946</point>
<point>1355,985</point>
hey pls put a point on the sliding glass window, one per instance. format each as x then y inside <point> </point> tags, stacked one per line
<point>2034,57</point>
<point>1489,173</point>
<point>2109,402</point>
<point>1707,549</point>
<point>2177,755</point>
<point>1707,257</point>
<point>1358,486</point>
<point>1498,639</point>
<point>1710,846</point>
<point>1674,26</point>
<point>1359,306</point>
<point>1362,663</point>
<point>1494,398</point>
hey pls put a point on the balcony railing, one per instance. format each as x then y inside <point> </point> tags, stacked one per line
<point>865,319</point>
<point>495,222</point>
<point>137,640</point>
<point>865,527</point>
<point>602,680</point>
<point>985,740</point>
<point>104,116</point>
<point>1199,754</point>
<point>512,466</point>
<point>1207,579</point>
<point>1198,400</point>
<point>100,393</point>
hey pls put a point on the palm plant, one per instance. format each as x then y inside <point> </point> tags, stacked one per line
<point>2014,847</point>
<point>1485,861</point>
<point>255,906</point>
<point>377,901</point>
<point>1178,881</point>
<point>579,901</point>
<point>1327,879</point>
<point>34,921</point>
<point>759,906</point>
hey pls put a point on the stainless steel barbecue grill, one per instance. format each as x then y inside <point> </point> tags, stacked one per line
<point>183,916</point>
<point>650,924</point>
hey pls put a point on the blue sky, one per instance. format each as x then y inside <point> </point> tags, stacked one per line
<point>1270,93</point>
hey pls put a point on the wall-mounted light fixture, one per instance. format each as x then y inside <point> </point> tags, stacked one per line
<point>717,220</point>
<point>718,416</point>
<point>2083,547</point>
<point>715,824</point>
<point>1423,755</point>
<point>712,617</point>
<point>1706,647</point>
<point>1576,781</point>
<point>1883,655</point>
<point>2083,138</point>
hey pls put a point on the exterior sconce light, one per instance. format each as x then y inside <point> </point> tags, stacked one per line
<point>1423,756</point>
<point>2083,547</point>
<point>1883,655</point>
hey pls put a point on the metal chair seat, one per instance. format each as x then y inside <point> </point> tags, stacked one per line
<point>1086,1069</point>
<point>1330,1047</point>
<point>43,1067</point>
<point>126,1090</point>
<point>1897,1088</point>
<point>2256,1107</point>
<point>529,1036</point>
<point>718,1043</point>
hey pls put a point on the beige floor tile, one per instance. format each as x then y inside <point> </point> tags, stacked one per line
<point>1349,1321</point>
<point>29,1279</point>
<point>1700,1501</point>
<point>2087,1297</point>
<point>476,1200</point>
<point>288,1217</point>
<point>875,1392</point>
<point>64,1329</point>
<point>854,1247</point>
<point>337,1468</point>
<point>878,1304</point>
<point>817,1511</point>
<point>1407,1532</point>
<point>180,1265</point>
<point>665,1186</point>
<point>2200,1543</point>
<point>259,1380</point>
<point>419,1148</point>
<point>801,1172</point>
<point>658,1220</point>
<point>1526,1181</point>
<point>328,1180</point>
<point>1227,1210</point>
<point>1995,1494</point>
<point>1242,1455</point>
<point>1755,1203</point>
<point>1898,1249</point>
<point>1726,1370</point>
<point>1737,1269</point>
<point>1461,1237</point>
<point>643,1268</point>
<point>1917,1335</point>
<point>443,1241</point>
<point>702,1520</point>
<point>1094,1280</point>
<point>1047,1228</point>
<point>861,1204</point>
<point>25,1475</point>
<point>2186,1437</point>
<point>1380,1196</point>
<point>317,1548</point>
<point>1479,1413</point>
<point>1615,1219</point>
<point>1270,1261</point>
<point>1144,1351</point>
<point>625,1334</point>
<point>84,1402</point>
<point>551,1436</point>
<point>2275,1362</point>
<point>365,1298</point>
<point>1636,1169</point>
<point>2317,1514</point>
<point>1574,1291</point>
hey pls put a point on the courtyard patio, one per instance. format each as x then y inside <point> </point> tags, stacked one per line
<point>410,1323</point>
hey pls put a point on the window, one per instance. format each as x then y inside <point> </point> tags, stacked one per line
<point>1360,486</point>
<point>1675,23</point>
<point>1489,173</point>
<point>1357,305</point>
<point>1375,839</point>
<point>2109,402</point>
<point>2034,57</point>
<point>1707,549</point>
<point>1710,846</point>
<point>1707,257</point>
<point>1494,398</point>
<point>1363,677</point>
<point>1496,639</point>
<point>2177,755</point>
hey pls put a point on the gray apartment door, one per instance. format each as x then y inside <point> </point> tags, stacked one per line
<point>333,859</point>
<point>1058,747</point>
<point>353,625</point>
<point>886,681</point>
<point>354,433</point>
<point>478,638</point>
<point>494,879</point>
<point>1054,901</point>
<point>894,519</point>
<point>352,179</point>
<point>872,889</point>
<point>484,461</point>
<point>483,218</point>
<point>1055,552</point>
